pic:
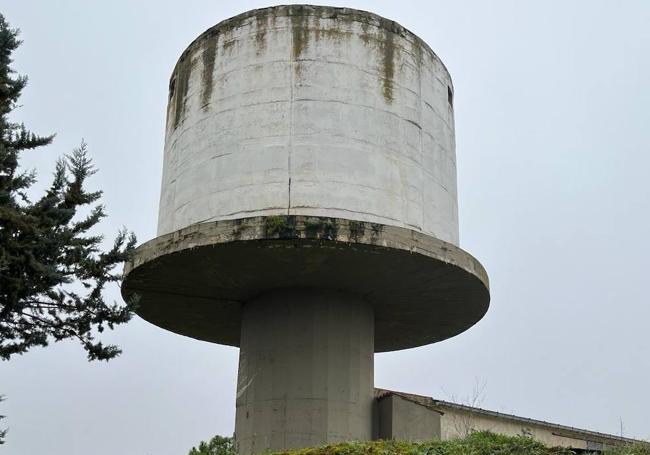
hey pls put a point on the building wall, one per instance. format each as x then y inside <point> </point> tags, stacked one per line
<point>455,423</point>
<point>417,418</point>
<point>310,111</point>
<point>404,420</point>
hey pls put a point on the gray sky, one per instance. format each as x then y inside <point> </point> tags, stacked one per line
<point>553,145</point>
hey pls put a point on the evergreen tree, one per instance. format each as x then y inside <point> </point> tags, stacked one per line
<point>53,270</point>
<point>2,431</point>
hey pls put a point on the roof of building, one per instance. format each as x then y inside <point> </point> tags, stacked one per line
<point>561,430</point>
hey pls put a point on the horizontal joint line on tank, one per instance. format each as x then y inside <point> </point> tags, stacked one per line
<point>289,101</point>
<point>191,160</point>
<point>252,65</point>
<point>240,106</point>
<point>400,195</point>
<point>367,106</point>
<point>330,134</point>
<point>221,215</point>
<point>399,155</point>
<point>298,180</point>
<point>233,188</point>
<point>313,100</point>
<point>374,74</point>
<point>382,217</point>
<point>331,62</point>
<point>440,117</point>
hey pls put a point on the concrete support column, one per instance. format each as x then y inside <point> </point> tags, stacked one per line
<point>306,368</point>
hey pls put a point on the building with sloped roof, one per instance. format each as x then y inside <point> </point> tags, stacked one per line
<point>411,417</point>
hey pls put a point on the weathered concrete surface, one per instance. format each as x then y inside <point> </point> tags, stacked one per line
<point>405,420</point>
<point>308,214</point>
<point>310,110</point>
<point>305,370</point>
<point>195,280</point>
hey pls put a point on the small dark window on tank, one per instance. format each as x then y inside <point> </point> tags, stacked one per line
<point>172,84</point>
<point>450,96</point>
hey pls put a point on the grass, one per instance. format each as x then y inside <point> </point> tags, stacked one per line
<point>479,443</point>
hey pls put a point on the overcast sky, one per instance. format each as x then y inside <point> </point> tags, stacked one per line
<point>552,105</point>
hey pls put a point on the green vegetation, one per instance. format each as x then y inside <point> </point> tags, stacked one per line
<point>3,432</point>
<point>53,269</point>
<point>640,448</point>
<point>281,225</point>
<point>321,228</point>
<point>478,443</point>
<point>218,445</point>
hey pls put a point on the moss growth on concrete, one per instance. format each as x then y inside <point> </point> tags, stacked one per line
<point>286,226</point>
<point>282,226</point>
<point>376,229</point>
<point>321,228</point>
<point>357,230</point>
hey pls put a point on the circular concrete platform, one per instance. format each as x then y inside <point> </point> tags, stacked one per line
<point>194,281</point>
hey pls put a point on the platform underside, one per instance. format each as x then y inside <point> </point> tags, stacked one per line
<point>194,281</point>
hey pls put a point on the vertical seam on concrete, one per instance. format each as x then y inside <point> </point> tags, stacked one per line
<point>291,95</point>
<point>422,184</point>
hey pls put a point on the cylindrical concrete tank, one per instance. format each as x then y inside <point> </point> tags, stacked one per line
<point>301,110</point>
<point>308,214</point>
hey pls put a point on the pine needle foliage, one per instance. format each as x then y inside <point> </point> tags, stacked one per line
<point>3,432</point>
<point>53,270</point>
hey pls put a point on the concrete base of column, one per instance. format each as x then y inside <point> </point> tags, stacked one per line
<point>306,368</point>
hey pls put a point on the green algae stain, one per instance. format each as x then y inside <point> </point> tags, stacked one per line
<point>365,34</point>
<point>300,31</point>
<point>179,87</point>
<point>261,25</point>
<point>388,65</point>
<point>208,57</point>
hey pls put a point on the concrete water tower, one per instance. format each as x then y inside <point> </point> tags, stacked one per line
<point>308,214</point>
